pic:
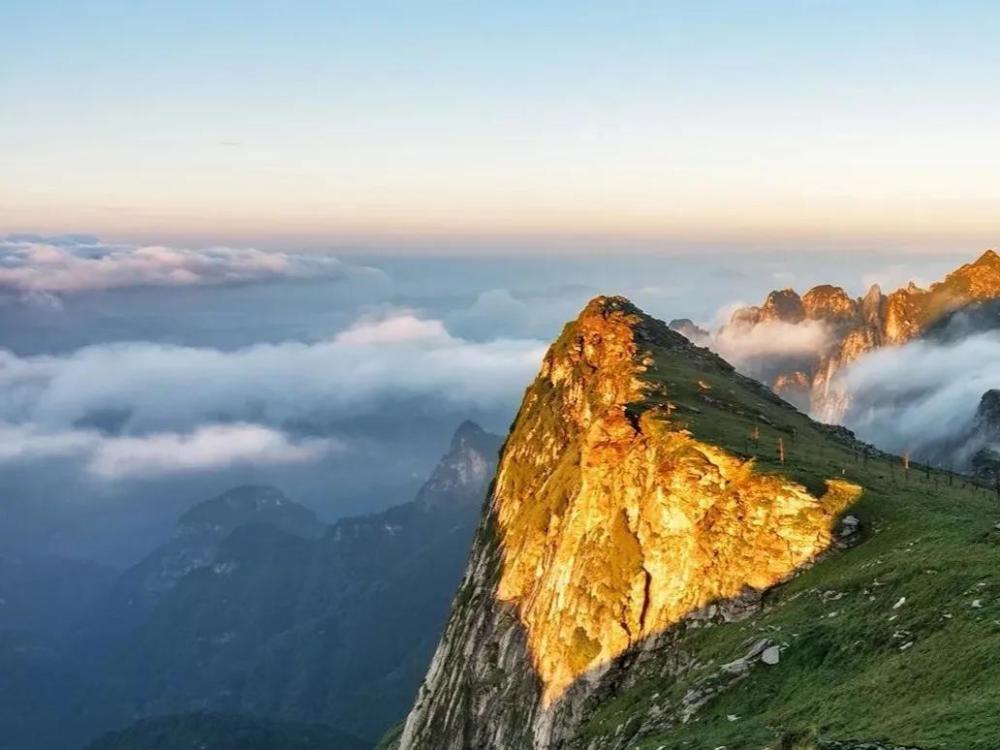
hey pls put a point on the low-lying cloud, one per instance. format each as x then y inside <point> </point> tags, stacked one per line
<point>37,267</point>
<point>922,397</point>
<point>207,448</point>
<point>397,329</point>
<point>775,338</point>
<point>157,406</point>
<point>771,348</point>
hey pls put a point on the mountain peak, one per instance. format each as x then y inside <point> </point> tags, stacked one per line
<point>988,258</point>
<point>605,305</point>
<point>874,292</point>
<point>612,518</point>
<point>234,501</point>
<point>249,503</point>
<point>461,476</point>
<point>467,431</point>
<point>973,281</point>
<point>828,302</point>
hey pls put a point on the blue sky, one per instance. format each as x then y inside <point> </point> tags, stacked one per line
<point>456,127</point>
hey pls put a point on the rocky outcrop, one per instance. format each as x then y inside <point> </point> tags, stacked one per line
<point>857,326</point>
<point>690,330</point>
<point>463,472</point>
<point>609,523</point>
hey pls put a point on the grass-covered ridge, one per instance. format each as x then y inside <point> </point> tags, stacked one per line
<point>894,639</point>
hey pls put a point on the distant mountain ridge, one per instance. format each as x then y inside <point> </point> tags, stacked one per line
<point>199,532</point>
<point>463,471</point>
<point>857,326</point>
<point>257,614</point>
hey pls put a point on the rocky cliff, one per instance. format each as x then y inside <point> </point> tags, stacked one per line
<point>613,519</point>
<point>854,327</point>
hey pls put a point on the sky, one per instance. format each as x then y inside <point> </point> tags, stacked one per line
<point>299,243</point>
<point>503,128</point>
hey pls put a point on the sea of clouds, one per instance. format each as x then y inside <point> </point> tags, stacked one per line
<point>138,379</point>
<point>115,405</point>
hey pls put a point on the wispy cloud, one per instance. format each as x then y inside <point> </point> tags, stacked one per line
<point>399,328</point>
<point>207,448</point>
<point>39,265</point>
<point>149,405</point>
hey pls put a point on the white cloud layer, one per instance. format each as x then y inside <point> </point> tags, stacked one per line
<point>741,345</point>
<point>921,396</point>
<point>36,266</point>
<point>207,448</point>
<point>151,407</point>
<point>403,327</point>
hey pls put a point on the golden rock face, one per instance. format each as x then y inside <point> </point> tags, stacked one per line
<point>616,523</point>
<point>829,303</point>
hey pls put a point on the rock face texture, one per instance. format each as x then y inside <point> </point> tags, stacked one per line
<point>464,471</point>
<point>856,326</point>
<point>609,523</point>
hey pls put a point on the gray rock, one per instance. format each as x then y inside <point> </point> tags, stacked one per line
<point>849,525</point>
<point>771,655</point>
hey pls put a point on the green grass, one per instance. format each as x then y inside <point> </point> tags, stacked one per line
<point>391,738</point>
<point>846,671</point>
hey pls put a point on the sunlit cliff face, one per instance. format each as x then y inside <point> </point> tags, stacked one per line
<point>615,522</point>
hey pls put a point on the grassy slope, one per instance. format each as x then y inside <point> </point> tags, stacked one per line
<point>845,672</point>
<point>391,738</point>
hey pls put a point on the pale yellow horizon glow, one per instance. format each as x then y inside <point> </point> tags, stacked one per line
<point>837,195</point>
<point>459,129</point>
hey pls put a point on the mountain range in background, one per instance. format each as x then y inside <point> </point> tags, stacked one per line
<point>254,611</point>
<point>803,346</point>
<point>199,533</point>
<point>858,326</point>
<point>673,555</point>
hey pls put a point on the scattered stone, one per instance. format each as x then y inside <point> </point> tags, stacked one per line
<point>771,655</point>
<point>849,525</point>
<point>737,666</point>
<point>977,604</point>
<point>900,603</point>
